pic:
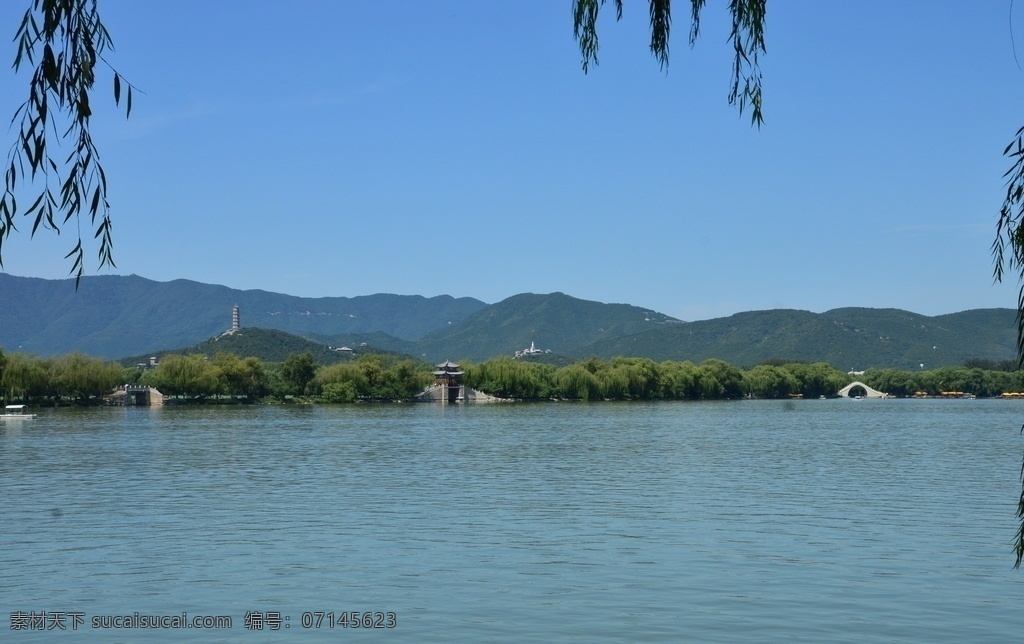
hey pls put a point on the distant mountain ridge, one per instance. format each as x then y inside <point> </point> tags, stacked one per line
<point>847,338</point>
<point>115,317</point>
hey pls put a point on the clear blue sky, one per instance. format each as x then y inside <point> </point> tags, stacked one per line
<point>343,148</point>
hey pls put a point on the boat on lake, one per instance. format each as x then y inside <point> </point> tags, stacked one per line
<point>16,412</point>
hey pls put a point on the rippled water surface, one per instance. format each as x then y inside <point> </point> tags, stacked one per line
<point>811,521</point>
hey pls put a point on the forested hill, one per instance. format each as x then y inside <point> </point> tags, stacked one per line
<point>554,321</point>
<point>268,345</point>
<point>117,316</point>
<point>847,338</point>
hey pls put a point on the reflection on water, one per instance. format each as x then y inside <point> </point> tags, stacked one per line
<point>757,520</point>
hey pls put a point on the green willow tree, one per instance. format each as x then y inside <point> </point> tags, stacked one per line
<point>82,377</point>
<point>298,370</point>
<point>23,377</point>
<point>371,377</point>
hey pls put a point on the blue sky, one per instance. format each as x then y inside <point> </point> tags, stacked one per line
<point>343,148</point>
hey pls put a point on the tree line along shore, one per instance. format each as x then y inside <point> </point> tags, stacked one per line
<point>79,379</point>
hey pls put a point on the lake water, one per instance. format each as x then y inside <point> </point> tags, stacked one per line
<point>838,520</point>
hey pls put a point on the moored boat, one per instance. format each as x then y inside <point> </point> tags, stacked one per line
<point>16,412</point>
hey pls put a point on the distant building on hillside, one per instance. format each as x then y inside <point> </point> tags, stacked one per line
<point>532,351</point>
<point>236,322</point>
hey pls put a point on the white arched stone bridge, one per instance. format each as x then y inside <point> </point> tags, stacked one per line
<point>868,391</point>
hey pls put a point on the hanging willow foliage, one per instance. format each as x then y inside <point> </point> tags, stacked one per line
<point>65,40</point>
<point>747,38</point>
<point>1008,252</point>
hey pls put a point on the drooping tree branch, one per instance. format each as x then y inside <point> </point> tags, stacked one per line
<point>748,43</point>
<point>65,40</point>
<point>1008,253</point>
<point>661,27</point>
<point>747,37</point>
<point>1018,545</point>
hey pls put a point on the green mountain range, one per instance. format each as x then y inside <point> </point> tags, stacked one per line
<point>117,316</point>
<point>113,317</point>
<point>847,338</point>
<point>557,322</point>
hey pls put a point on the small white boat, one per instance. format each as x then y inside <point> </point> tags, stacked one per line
<point>16,412</point>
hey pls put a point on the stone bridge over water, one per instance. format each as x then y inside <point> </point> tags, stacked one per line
<point>860,389</point>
